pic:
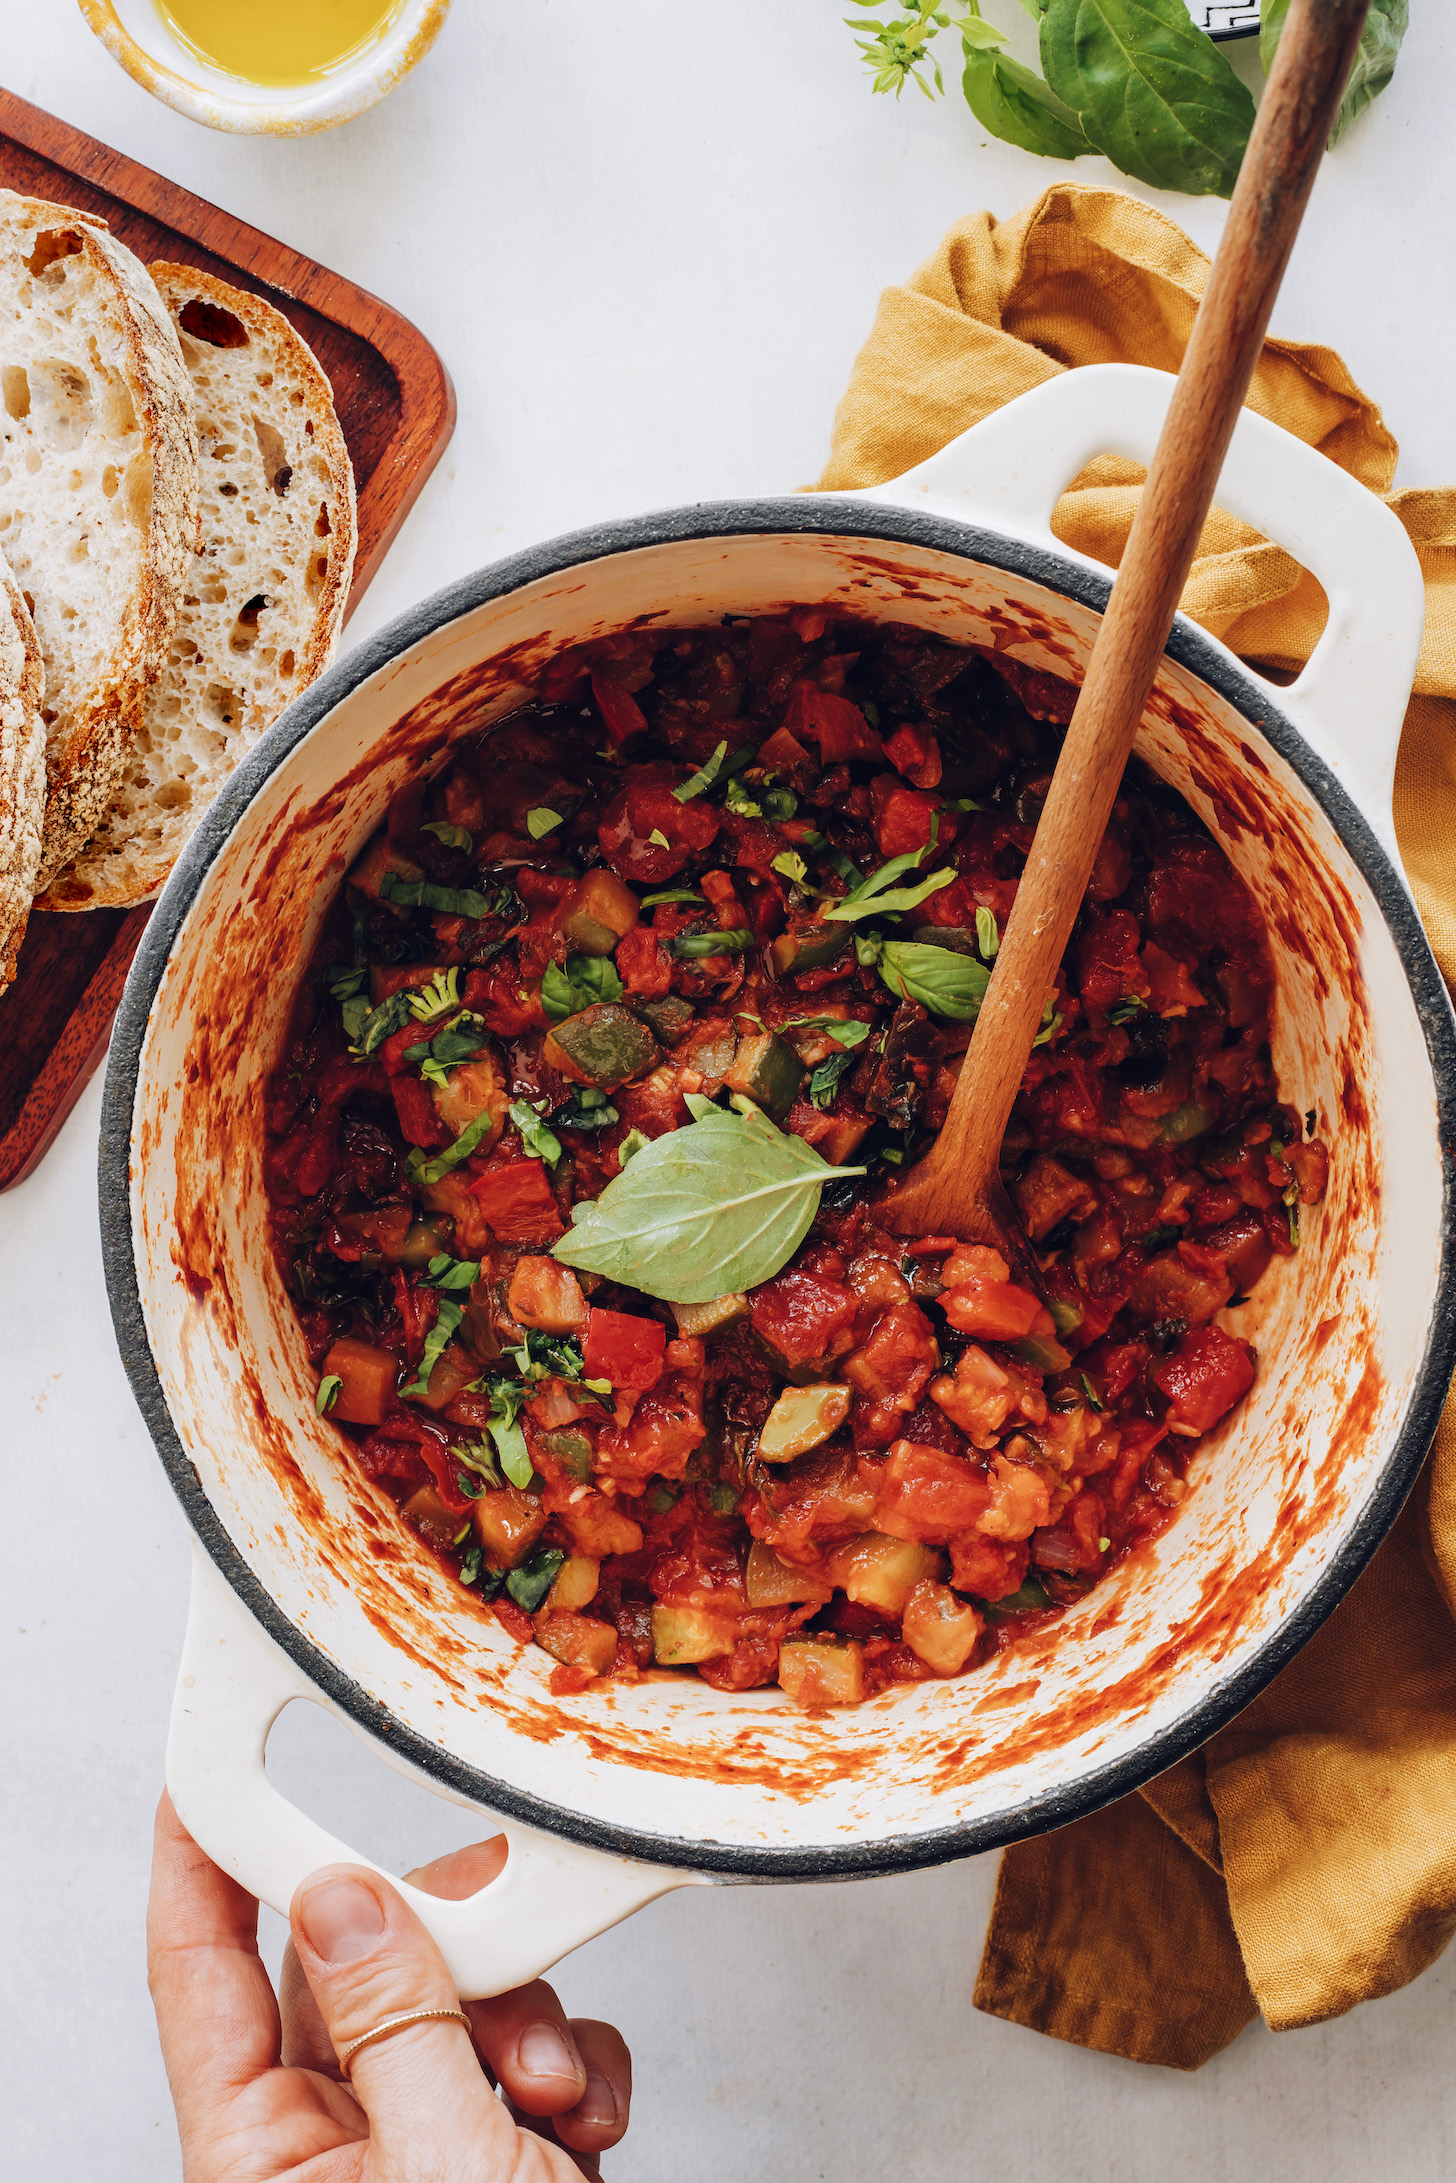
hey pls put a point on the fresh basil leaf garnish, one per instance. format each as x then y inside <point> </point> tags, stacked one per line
<point>541,1142</point>
<point>421,1170</point>
<point>717,1206</point>
<point>529,1584</point>
<point>444,1272</point>
<point>423,894</point>
<point>440,1333</point>
<point>392,1014</point>
<point>946,983</point>
<point>328,1393</point>
<point>705,776</point>
<point>670,894</point>
<point>452,837</point>
<point>588,1110</point>
<point>845,1031</point>
<point>824,1083</point>
<point>1150,89</point>
<point>541,822</point>
<point>692,946</point>
<point>1375,56</point>
<point>585,980</point>
<point>988,939</point>
<point>343,982</point>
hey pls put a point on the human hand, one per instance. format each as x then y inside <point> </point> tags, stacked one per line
<point>258,2091</point>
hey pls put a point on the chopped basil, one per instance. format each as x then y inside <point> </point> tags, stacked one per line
<point>448,1048</point>
<point>476,1455</point>
<point>391,1015</point>
<point>529,1584</point>
<point>946,983</point>
<point>541,822</point>
<point>444,1272</point>
<point>658,839</point>
<point>506,1397</point>
<point>470,1565</point>
<point>343,982</point>
<point>421,1170</point>
<point>824,1083</point>
<point>631,1144</point>
<point>779,804</point>
<point>740,802</point>
<point>585,980</point>
<point>705,776</point>
<point>791,866</point>
<point>1123,1011</point>
<point>845,1031</point>
<point>588,1110</point>
<point>453,837</point>
<point>1094,1400</point>
<point>988,939</point>
<point>440,1333</point>
<point>328,1393</point>
<point>670,894</point>
<point>692,946</point>
<point>355,1013</point>
<point>423,894</point>
<point>541,1142</point>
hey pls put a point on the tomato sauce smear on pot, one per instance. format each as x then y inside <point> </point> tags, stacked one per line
<point>753,877</point>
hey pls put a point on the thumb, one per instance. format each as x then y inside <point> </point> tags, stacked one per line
<point>366,1957</point>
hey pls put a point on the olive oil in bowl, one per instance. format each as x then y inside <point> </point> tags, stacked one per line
<point>278,42</point>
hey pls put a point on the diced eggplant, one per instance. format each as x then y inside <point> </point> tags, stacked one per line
<point>599,913</point>
<point>424,1240</point>
<point>876,1571</point>
<point>811,947</point>
<point>367,1376</point>
<point>802,1418</point>
<point>575,1585</point>
<point>766,1070</point>
<point>703,1319</point>
<point>817,1671</point>
<point>840,1142</point>
<point>577,1640</point>
<point>603,1046</point>
<point>940,1627</point>
<point>770,1582</point>
<point>507,1523</point>
<point>683,1635</point>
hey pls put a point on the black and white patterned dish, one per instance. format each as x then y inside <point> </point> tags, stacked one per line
<point>1226,18</point>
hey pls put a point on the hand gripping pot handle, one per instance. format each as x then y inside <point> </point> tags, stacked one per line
<point>232,1685</point>
<point>1009,471</point>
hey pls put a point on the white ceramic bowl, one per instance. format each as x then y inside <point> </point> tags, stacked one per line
<point>135,33</point>
<point>308,1581</point>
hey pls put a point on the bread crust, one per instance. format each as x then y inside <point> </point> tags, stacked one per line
<point>178,763</point>
<point>22,768</point>
<point>87,741</point>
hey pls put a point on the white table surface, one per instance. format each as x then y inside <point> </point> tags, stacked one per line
<point>647,240</point>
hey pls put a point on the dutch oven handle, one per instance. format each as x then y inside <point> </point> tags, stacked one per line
<point>1009,471</point>
<point>231,1687</point>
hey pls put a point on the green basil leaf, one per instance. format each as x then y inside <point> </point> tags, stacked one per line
<point>588,1110</point>
<point>824,1083</point>
<point>453,837</point>
<point>440,1333</point>
<point>549,1356</point>
<point>946,983</point>
<point>1150,89</point>
<point>1375,56</point>
<point>529,1584</point>
<point>355,1013</point>
<point>328,1393</point>
<point>343,982</point>
<point>669,894</point>
<point>719,1205</point>
<point>391,1015</point>
<point>988,939</point>
<point>456,1043</point>
<point>542,1142</point>
<point>844,1032</point>
<point>690,946</point>
<point>444,1272</point>
<point>897,899</point>
<point>470,1565</point>
<point>423,894</point>
<point>421,1170</point>
<point>705,776</point>
<point>541,822</point>
<point>791,866</point>
<point>585,980</point>
<point>506,1397</point>
<point>779,804</point>
<point>633,1143</point>
<point>1123,1011</point>
<point>1015,105</point>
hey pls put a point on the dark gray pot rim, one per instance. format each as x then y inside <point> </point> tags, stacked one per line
<point>828,516</point>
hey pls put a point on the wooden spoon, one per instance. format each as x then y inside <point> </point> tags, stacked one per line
<point>956,1189</point>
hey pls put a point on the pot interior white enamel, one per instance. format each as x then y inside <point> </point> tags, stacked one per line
<point>1287,1500</point>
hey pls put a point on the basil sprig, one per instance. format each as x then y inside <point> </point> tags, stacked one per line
<point>440,1333</point>
<point>541,1142</point>
<point>585,980</point>
<point>1375,56</point>
<point>946,983</point>
<point>421,1170</point>
<point>693,946</point>
<point>423,894</point>
<point>717,1206</point>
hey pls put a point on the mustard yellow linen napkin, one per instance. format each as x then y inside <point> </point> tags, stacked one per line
<point>1305,1859</point>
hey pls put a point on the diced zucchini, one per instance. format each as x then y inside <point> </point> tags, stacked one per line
<point>380,860</point>
<point>575,1585</point>
<point>801,1418</point>
<point>576,1640</point>
<point>468,1090</point>
<point>1042,1352</point>
<point>367,1376</point>
<point>876,1571</point>
<point>427,1514</point>
<point>507,1523</point>
<point>384,1230</point>
<point>817,1671</point>
<point>669,1018</point>
<point>770,1582</point>
<point>425,1239</point>
<point>843,1138</point>
<point>940,1627</point>
<point>572,1449</point>
<point>702,1319</point>
<point>766,1070</point>
<point>599,913</point>
<point>683,1635</point>
<point>602,1046</point>
<point>812,947</point>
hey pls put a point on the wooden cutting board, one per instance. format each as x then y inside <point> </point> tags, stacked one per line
<point>397,408</point>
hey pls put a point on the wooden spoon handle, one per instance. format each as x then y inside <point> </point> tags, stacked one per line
<point>1304,89</point>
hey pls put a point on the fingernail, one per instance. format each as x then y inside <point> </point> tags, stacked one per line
<point>543,2052</point>
<point>598,2103</point>
<point>342,1920</point>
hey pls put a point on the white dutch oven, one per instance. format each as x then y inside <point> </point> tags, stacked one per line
<point>308,1584</point>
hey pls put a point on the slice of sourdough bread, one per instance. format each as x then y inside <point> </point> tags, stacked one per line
<point>22,768</point>
<point>98,491</point>
<point>264,598</point>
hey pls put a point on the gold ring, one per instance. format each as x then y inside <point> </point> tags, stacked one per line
<point>388,2024</point>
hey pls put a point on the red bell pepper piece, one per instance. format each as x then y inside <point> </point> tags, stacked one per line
<point>515,1199</point>
<point>624,1349</point>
